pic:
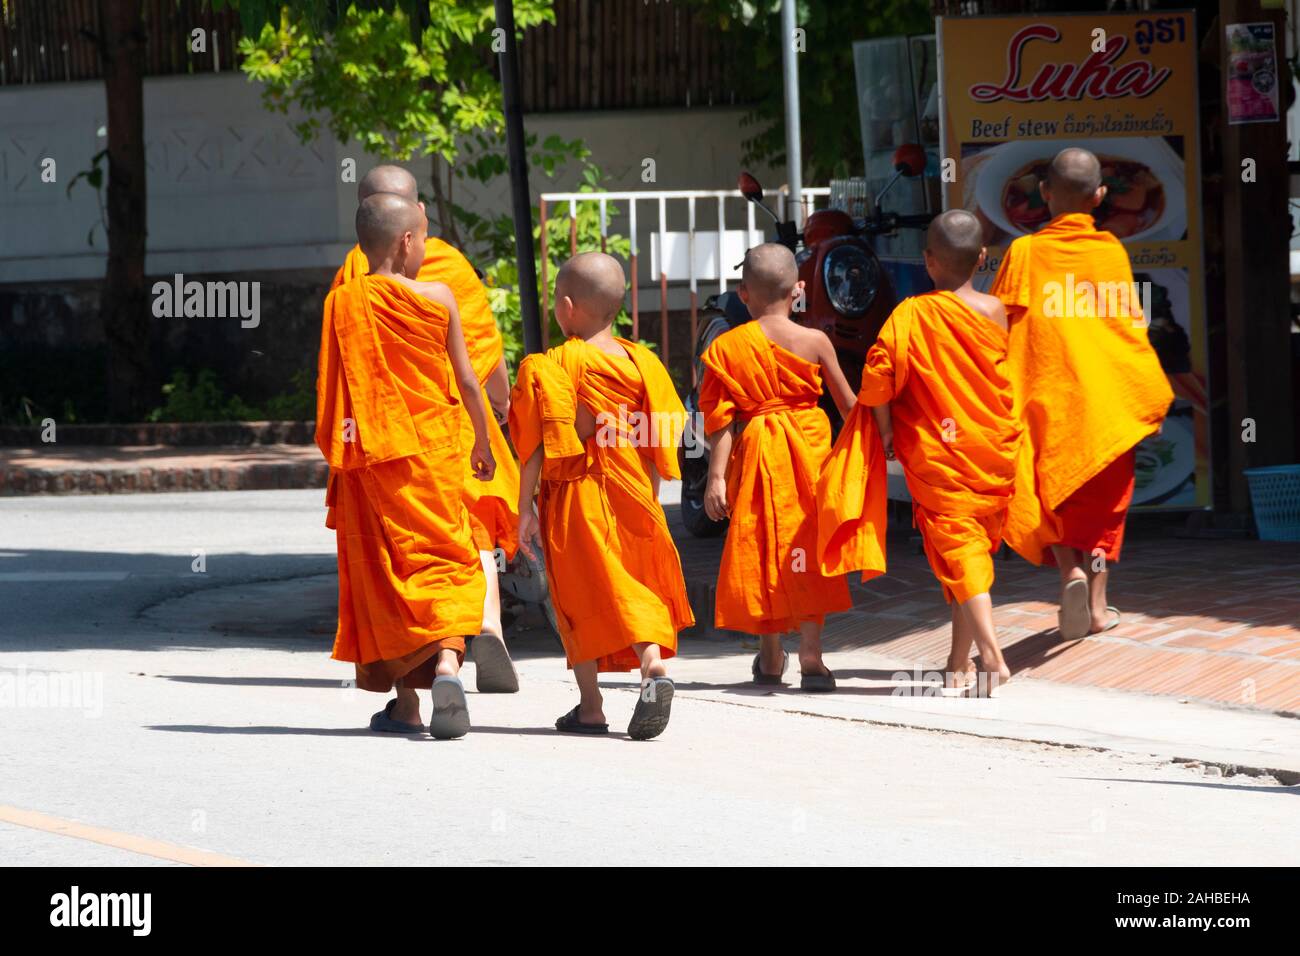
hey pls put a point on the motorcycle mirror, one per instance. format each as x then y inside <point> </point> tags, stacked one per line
<point>909,159</point>
<point>749,187</point>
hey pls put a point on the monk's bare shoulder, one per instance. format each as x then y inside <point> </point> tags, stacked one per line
<point>438,292</point>
<point>810,344</point>
<point>990,306</point>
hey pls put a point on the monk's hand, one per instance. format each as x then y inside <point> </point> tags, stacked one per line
<point>715,499</point>
<point>530,533</point>
<point>501,411</point>
<point>887,439</point>
<point>484,464</point>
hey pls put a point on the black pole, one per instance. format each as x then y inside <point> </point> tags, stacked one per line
<point>520,202</point>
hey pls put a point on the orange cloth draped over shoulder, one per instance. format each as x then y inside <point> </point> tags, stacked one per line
<point>1088,385</point>
<point>941,366</point>
<point>615,575</point>
<point>770,580</point>
<point>387,422</point>
<point>492,504</point>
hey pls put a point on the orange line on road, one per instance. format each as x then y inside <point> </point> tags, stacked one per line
<point>123,841</point>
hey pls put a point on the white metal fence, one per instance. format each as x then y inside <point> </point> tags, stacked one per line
<point>690,236</point>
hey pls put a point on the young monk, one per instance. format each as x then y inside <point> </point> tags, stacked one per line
<point>491,504</point>
<point>939,363</point>
<point>768,440</point>
<point>1088,386</point>
<point>411,586</point>
<point>598,420</point>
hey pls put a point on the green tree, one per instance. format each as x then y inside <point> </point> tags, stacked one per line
<point>416,79</point>
<point>828,105</point>
<point>405,79</point>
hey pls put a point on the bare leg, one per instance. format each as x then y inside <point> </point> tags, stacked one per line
<point>652,664</point>
<point>978,619</point>
<point>958,672</point>
<point>1097,595</point>
<point>448,663</point>
<point>1073,618</point>
<point>770,653</point>
<point>407,708</point>
<point>810,648</point>
<point>591,705</point>
<point>1069,561</point>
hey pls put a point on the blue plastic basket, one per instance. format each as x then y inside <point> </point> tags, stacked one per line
<point>1275,496</point>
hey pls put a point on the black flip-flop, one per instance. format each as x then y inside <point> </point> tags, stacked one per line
<point>570,724</point>
<point>383,723</point>
<point>818,683</point>
<point>653,706</point>
<point>769,679</point>
<point>450,718</point>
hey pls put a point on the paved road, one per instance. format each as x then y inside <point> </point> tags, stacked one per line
<point>242,740</point>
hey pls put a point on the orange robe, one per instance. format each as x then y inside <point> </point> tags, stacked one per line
<point>615,575</point>
<point>770,580</point>
<point>491,504</point>
<point>387,421</point>
<point>941,366</point>
<point>1088,385</point>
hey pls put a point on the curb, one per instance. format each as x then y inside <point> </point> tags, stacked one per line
<point>16,482</point>
<point>178,434</point>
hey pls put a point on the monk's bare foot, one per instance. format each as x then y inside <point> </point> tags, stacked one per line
<point>657,669</point>
<point>771,658</point>
<point>591,714</point>
<point>959,675</point>
<point>406,709</point>
<point>812,665</point>
<point>988,683</point>
<point>1103,619</point>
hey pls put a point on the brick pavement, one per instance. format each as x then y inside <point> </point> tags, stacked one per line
<point>1215,620</point>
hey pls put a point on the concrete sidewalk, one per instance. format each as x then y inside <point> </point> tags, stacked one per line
<point>875,686</point>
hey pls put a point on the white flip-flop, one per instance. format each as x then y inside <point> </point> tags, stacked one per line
<point>1074,619</point>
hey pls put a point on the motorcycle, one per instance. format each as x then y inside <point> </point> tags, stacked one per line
<point>848,295</point>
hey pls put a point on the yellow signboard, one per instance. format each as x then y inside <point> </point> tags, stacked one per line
<point>1016,90</point>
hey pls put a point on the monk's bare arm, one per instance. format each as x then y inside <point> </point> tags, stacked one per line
<point>841,393</point>
<point>885,424</point>
<point>715,492</point>
<point>470,393</point>
<point>529,526</point>
<point>498,389</point>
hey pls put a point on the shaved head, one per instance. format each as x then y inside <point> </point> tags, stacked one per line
<point>1074,173</point>
<point>382,219</point>
<point>769,273</point>
<point>956,239</point>
<point>388,179</point>
<point>595,282</point>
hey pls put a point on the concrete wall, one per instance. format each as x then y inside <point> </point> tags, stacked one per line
<point>232,189</point>
<point>234,194</point>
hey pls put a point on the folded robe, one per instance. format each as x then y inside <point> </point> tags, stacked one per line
<point>615,575</point>
<point>492,503</point>
<point>941,366</point>
<point>387,421</point>
<point>1088,385</point>
<point>771,579</point>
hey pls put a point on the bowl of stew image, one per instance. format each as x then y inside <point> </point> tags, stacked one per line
<point>1144,181</point>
